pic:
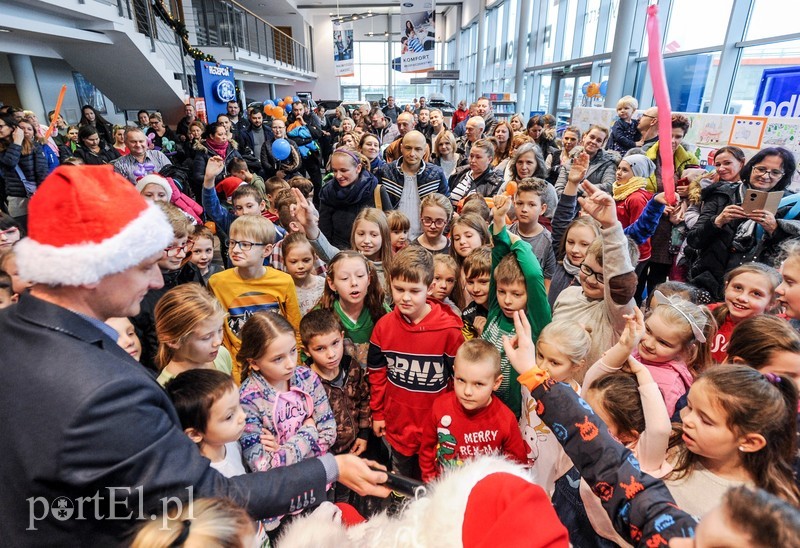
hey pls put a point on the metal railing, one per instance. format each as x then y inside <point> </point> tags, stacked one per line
<point>163,40</point>
<point>225,23</point>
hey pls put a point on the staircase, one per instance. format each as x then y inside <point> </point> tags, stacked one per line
<point>143,66</point>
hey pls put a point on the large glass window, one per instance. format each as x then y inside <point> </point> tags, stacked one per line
<point>590,21</point>
<point>694,25</point>
<point>549,33</point>
<point>753,62</point>
<point>773,18</point>
<point>569,30</point>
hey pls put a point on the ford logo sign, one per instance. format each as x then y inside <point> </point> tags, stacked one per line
<point>225,91</point>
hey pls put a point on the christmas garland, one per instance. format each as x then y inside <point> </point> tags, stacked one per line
<point>182,31</point>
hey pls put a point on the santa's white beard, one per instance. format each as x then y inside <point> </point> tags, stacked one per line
<point>435,518</point>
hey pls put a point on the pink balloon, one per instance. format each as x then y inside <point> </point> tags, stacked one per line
<point>659,81</point>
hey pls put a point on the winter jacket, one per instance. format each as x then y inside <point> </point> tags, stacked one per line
<point>339,206</point>
<point>203,153</point>
<point>247,141</point>
<point>681,159</point>
<point>33,165</point>
<point>459,116</point>
<point>271,165</point>
<point>624,136</point>
<point>301,135</point>
<point>602,172</point>
<point>349,404</point>
<point>261,405</point>
<point>430,179</point>
<point>487,184</point>
<point>629,210</point>
<point>410,365</point>
<point>105,156</point>
<point>710,250</point>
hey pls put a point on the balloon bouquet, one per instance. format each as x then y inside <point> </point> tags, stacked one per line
<point>279,110</point>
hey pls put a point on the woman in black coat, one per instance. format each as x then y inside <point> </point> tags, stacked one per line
<point>725,235</point>
<point>92,150</point>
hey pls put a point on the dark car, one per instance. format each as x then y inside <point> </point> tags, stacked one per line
<point>436,100</point>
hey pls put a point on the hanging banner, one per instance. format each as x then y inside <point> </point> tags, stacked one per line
<point>343,49</point>
<point>417,35</point>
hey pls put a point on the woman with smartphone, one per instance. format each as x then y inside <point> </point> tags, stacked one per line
<point>740,222</point>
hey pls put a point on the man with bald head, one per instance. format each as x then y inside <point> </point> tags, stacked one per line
<point>405,124</point>
<point>648,127</point>
<point>410,178</point>
<point>474,131</point>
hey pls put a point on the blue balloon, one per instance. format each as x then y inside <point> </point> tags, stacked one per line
<point>288,108</point>
<point>295,98</point>
<point>281,149</point>
<point>269,103</point>
<point>603,87</point>
<point>585,88</point>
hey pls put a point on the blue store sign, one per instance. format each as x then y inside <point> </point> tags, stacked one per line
<point>779,93</point>
<point>216,84</point>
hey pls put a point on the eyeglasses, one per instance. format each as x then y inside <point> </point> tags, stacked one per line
<point>647,116</point>
<point>760,171</point>
<point>438,223</point>
<point>176,250</point>
<point>586,269</point>
<point>244,246</point>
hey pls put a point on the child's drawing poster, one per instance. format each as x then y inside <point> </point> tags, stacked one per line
<point>747,131</point>
<point>786,135</point>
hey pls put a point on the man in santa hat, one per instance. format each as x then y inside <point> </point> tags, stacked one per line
<point>91,443</point>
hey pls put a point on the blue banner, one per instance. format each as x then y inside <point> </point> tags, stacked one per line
<point>215,84</point>
<point>778,93</point>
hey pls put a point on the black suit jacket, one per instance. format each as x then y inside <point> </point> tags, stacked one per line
<point>80,416</point>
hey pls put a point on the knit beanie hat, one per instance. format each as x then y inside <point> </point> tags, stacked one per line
<point>228,186</point>
<point>641,165</point>
<point>154,179</point>
<point>85,223</point>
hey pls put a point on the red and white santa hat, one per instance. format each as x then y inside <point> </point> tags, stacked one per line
<point>85,223</point>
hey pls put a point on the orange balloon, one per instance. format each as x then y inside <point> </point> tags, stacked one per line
<point>281,104</point>
<point>511,188</point>
<point>593,90</point>
<point>287,99</point>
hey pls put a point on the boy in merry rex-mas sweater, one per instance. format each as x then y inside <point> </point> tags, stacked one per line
<point>470,421</point>
<point>410,357</point>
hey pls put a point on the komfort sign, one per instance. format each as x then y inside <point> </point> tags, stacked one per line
<point>779,93</point>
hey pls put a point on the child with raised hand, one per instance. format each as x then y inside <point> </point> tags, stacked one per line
<point>344,381</point>
<point>640,507</point>
<point>561,351</point>
<point>203,251</point>
<point>189,326</point>
<point>399,225</point>
<point>476,270</point>
<point>456,429</point>
<point>276,394</point>
<point>250,286</point>
<point>435,212</point>
<point>410,358</point>
<point>353,291</point>
<point>516,283</point>
<point>127,338</point>
<point>607,277</point>
<point>624,395</point>
<point>674,345</point>
<point>299,259</point>
<point>749,291</point>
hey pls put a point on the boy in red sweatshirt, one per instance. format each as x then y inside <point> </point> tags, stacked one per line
<point>410,358</point>
<point>469,421</point>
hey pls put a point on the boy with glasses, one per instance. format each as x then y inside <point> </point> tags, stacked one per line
<point>251,287</point>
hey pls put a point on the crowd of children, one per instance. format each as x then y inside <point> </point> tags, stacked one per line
<point>400,349</point>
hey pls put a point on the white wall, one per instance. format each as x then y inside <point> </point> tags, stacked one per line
<point>297,24</point>
<point>327,85</point>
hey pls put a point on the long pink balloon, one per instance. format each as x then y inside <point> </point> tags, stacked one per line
<point>656,62</point>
